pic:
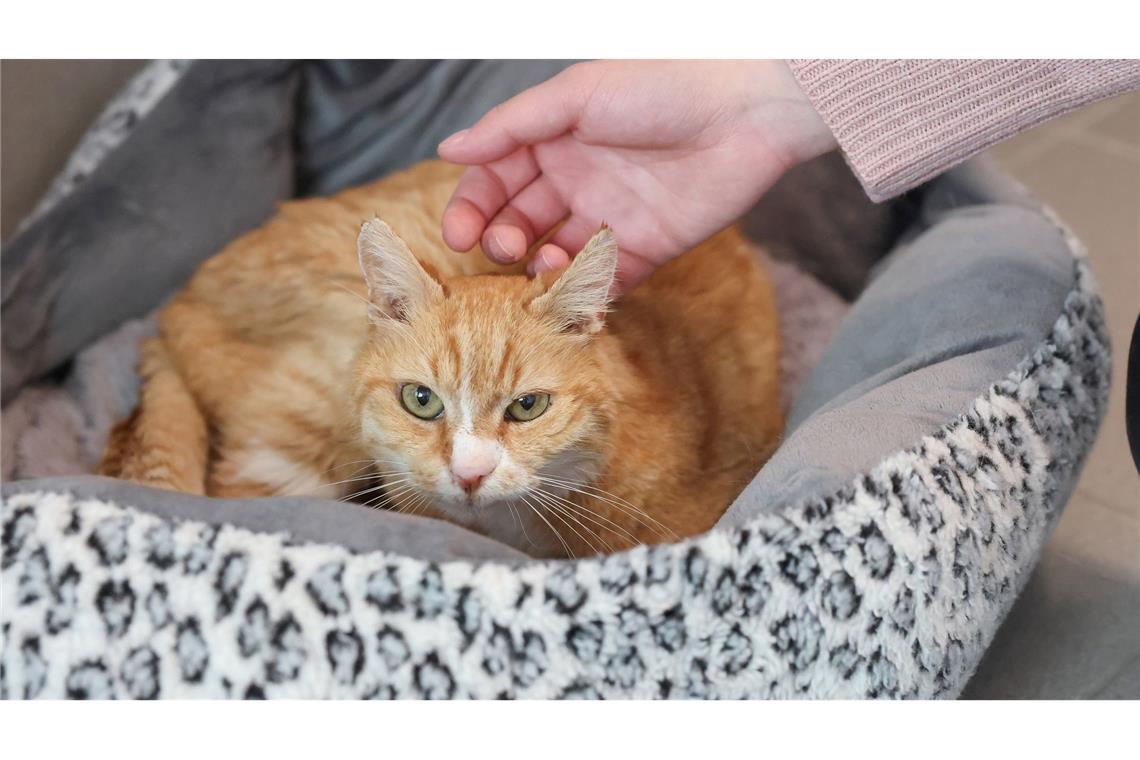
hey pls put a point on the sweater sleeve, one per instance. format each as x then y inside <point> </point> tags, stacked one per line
<point>902,122</point>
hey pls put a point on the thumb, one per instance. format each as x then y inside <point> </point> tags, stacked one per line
<point>541,113</point>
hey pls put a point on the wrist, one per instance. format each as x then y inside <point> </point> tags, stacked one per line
<point>792,126</point>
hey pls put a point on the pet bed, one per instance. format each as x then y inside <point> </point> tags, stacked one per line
<point>928,453</point>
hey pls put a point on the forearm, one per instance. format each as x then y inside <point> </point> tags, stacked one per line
<point>902,122</point>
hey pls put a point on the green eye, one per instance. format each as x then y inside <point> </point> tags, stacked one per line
<point>528,407</point>
<point>421,401</point>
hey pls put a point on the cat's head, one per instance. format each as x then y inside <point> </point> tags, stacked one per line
<point>475,393</point>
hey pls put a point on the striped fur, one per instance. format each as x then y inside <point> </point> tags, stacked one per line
<point>269,378</point>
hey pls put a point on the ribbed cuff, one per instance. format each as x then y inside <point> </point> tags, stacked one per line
<point>902,122</point>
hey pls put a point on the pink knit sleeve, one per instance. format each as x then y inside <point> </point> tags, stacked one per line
<point>901,122</point>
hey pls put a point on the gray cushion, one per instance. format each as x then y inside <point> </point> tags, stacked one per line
<point>926,460</point>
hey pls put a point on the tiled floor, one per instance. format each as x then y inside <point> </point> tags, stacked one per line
<point>1076,631</point>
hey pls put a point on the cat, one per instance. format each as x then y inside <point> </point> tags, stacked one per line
<point>534,411</point>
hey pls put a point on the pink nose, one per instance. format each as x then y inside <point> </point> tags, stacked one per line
<point>468,484</point>
<point>473,459</point>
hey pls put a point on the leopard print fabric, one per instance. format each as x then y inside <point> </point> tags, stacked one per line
<point>892,587</point>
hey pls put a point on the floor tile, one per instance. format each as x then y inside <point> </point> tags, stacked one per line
<point>1075,631</point>
<point>1102,539</point>
<point>1020,149</point>
<point>1070,635</point>
<point>1083,118</point>
<point>1123,123</point>
<point>45,107</point>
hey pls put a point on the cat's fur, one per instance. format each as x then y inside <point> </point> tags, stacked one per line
<point>278,370</point>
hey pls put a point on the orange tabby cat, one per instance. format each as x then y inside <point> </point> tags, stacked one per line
<point>516,407</point>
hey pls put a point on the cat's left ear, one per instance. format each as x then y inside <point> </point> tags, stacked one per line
<point>397,283</point>
<point>580,297</point>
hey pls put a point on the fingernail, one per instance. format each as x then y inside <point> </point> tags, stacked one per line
<point>502,240</point>
<point>495,249</point>
<point>455,139</point>
<point>547,261</point>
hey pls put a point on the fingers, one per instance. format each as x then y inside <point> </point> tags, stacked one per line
<point>481,192</point>
<point>506,243</point>
<point>632,267</point>
<point>573,235</point>
<point>462,225</point>
<point>540,113</point>
<point>548,258</point>
<point>527,217</point>
<point>502,165</point>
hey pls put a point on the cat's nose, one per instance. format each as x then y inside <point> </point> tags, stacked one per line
<point>468,484</point>
<point>472,460</point>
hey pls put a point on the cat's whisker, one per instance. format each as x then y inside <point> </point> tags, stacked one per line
<point>569,509</point>
<point>424,504</point>
<point>365,462</point>
<point>611,495</point>
<point>372,501</point>
<point>414,507</point>
<point>388,479</point>
<point>573,515</point>
<point>553,530</point>
<point>606,548</point>
<point>377,501</point>
<point>515,515</point>
<point>400,470</point>
<point>354,476</point>
<point>358,494</point>
<point>599,519</point>
<point>521,523</point>
<point>392,494</point>
<point>613,500</point>
<point>565,504</point>
<point>356,479</point>
<point>559,512</point>
<point>406,501</point>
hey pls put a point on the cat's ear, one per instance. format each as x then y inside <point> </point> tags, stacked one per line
<point>579,298</point>
<point>397,284</point>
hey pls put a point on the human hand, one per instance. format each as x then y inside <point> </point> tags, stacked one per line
<point>667,153</point>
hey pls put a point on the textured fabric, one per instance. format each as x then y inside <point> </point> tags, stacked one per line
<point>890,587</point>
<point>214,146</point>
<point>947,315</point>
<point>354,527</point>
<point>207,161</point>
<point>112,127</point>
<point>901,122</point>
<point>887,582</point>
<point>359,120</point>
<point>819,216</point>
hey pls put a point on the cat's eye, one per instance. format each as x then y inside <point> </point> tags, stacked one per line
<point>421,401</point>
<point>528,407</point>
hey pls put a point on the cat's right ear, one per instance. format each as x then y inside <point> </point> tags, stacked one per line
<point>579,298</point>
<point>397,284</point>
